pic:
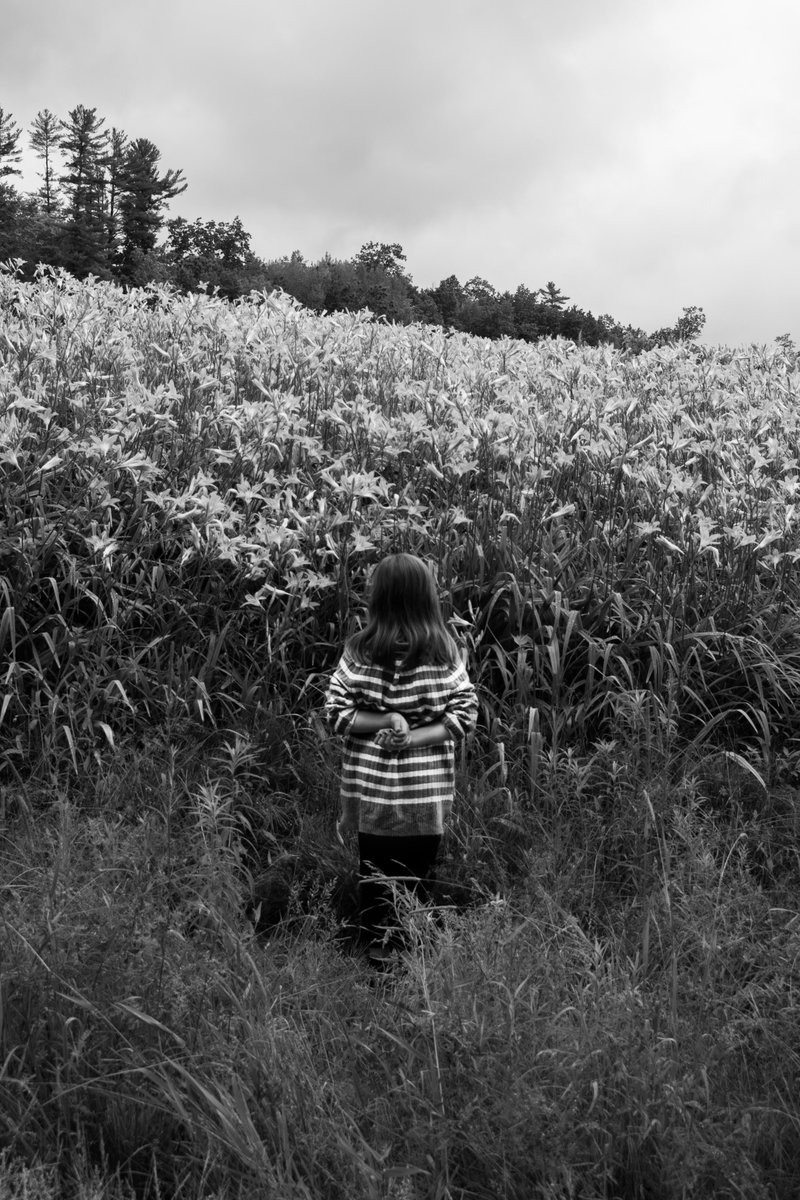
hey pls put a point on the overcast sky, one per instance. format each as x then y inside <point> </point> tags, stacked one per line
<point>643,154</point>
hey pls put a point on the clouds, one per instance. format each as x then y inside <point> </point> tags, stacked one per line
<point>640,155</point>
<point>374,116</point>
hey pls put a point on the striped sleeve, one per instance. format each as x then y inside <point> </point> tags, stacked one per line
<point>340,701</point>
<point>461,707</point>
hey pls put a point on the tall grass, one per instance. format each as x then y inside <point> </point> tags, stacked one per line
<point>604,1005</point>
<point>546,1041</point>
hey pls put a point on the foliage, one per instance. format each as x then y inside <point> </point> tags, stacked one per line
<point>10,153</point>
<point>100,208</point>
<point>84,143</point>
<point>194,492</point>
<point>145,194</point>
<point>382,256</point>
<point>603,1005</point>
<point>153,1045</point>
<point>211,254</point>
<point>44,139</point>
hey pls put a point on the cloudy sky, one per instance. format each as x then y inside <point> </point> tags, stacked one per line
<point>643,154</point>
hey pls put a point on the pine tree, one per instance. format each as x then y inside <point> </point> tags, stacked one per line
<point>10,153</point>
<point>114,189</point>
<point>44,136</point>
<point>552,296</point>
<point>9,198</point>
<point>84,144</point>
<point>143,198</point>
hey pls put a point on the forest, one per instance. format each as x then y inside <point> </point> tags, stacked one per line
<point>101,210</point>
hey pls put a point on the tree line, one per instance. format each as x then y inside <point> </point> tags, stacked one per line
<point>101,209</point>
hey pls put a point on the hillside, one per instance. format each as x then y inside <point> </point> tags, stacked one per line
<point>193,494</point>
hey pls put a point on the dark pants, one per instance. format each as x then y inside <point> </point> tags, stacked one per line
<point>407,862</point>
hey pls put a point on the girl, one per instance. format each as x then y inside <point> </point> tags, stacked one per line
<point>401,697</point>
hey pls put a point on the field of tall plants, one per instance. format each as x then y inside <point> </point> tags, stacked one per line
<point>604,1002</point>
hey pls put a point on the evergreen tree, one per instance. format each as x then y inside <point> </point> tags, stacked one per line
<point>145,194</point>
<point>44,136</point>
<point>10,153</point>
<point>552,297</point>
<point>84,144</point>
<point>9,198</point>
<point>114,189</point>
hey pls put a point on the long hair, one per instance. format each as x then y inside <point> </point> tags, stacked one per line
<point>404,617</point>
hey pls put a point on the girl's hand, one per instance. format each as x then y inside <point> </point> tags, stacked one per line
<point>390,741</point>
<point>396,735</point>
<point>399,725</point>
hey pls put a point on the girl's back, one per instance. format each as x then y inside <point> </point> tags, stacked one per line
<point>403,662</point>
<point>400,697</point>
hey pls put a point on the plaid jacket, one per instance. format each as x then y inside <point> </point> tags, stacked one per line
<point>399,792</point>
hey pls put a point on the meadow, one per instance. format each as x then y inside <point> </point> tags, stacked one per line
<point>605,1003</point>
